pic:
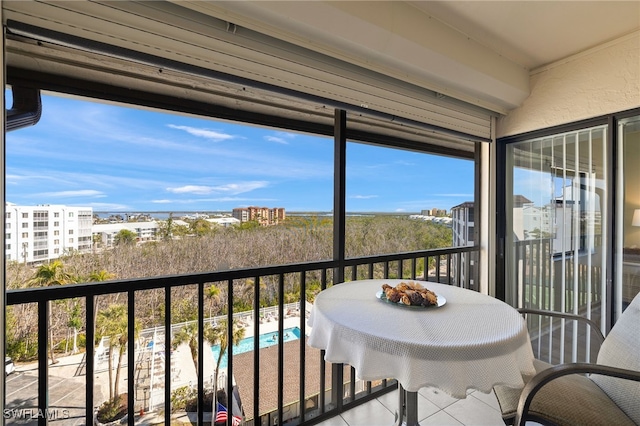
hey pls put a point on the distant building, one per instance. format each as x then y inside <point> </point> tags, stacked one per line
<point>105,234</point>
<point>45,232</point>
<point>195,216</point>
<point>224,221</point>
<point>463,226</point>
<point>434,212</point>
<point>442,220</point>
<point>139,217</point>
<point>265,216</point>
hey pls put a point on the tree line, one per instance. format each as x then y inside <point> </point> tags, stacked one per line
<point>212,248</point>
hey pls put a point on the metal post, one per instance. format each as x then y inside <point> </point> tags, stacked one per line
<point>2,209</point>
<point>43,365</point>
<point>339,214</point>
<point>131,356</point>
<point>90,358</point>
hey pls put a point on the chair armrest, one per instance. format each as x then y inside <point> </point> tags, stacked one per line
<point>545,376</point>
<point>594,326</point>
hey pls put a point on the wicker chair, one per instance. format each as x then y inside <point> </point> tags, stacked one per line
<point>604,393</point>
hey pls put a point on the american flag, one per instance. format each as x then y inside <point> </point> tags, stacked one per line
<point>221,415</point>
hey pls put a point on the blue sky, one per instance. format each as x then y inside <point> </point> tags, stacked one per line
<point>113,159</point>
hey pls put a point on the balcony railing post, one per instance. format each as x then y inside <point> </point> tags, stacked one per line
<point>201,349</point>
<point>89,357</point>
<point>230,332</point>
<point>303,343</point>
<point>167,355</point>
<point>131,356</point>
<point>44,307</point>
<point>280,348</point>
<point>256,354</point>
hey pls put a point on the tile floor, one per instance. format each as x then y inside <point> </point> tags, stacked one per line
<point>434,408</point>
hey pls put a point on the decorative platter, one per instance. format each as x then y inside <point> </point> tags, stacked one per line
<point>441,301</point>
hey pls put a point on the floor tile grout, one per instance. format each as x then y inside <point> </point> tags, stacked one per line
<point>447,410</point>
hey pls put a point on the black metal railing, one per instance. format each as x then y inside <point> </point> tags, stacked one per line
<point>331,394</point>
<point>547,278</point>
<point>562,282</point>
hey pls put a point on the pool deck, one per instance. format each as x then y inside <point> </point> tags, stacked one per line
<point>270,324</point>
<point>270,327</point>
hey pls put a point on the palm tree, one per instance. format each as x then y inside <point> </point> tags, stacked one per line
<point>125,237</point>
<point>96,240</point>
<point>166,228</point>
<point>247,291</point>
<point>218,335</point>
<point>200,227</point>
<point>213,294</point>
<point>75,322</point>
<point>46,275</point>
<point>102,275</point>
<point>99,276</point>
<point>113,322</point>
<point>212,334</point>
<point>188,334</point>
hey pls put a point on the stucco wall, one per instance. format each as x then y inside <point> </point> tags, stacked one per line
<point>600,81</point>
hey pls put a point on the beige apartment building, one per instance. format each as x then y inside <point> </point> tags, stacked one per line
<point>264,215</point>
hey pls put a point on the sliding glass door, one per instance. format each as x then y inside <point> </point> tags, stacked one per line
<point>558,212</point>
<point>556,208</point>
<point>628,221</point>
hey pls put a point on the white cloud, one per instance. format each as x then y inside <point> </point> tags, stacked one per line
<point>77,193</point>
<point>231,188</point>
<point>108,206</point>
<point>236,199</point>
<point>400,210</point>
<point>363,197</point>
<point>204,133</point>
<point>238,188</point>
<point>280,137</point>
<point>276,140</point>
<point>453,195</point>
<point>216,200</point>
<point>191,189</point>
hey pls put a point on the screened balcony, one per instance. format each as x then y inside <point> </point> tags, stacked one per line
<point>445,78</point>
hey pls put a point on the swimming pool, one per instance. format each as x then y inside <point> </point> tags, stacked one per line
<point>265,340</point>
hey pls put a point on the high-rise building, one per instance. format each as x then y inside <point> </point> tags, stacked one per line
<point>265,216</point>
<point>44,232</point>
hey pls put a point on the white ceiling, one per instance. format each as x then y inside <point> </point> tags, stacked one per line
<point>536,33</point>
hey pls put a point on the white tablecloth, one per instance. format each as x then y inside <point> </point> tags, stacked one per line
<point>474,341</point>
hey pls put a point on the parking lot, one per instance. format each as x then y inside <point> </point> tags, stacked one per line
<point>66,394</point>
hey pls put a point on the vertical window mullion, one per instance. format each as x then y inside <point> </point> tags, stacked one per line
<point>578,205</point>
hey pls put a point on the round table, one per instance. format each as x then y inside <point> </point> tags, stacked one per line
<point>473,341</point>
